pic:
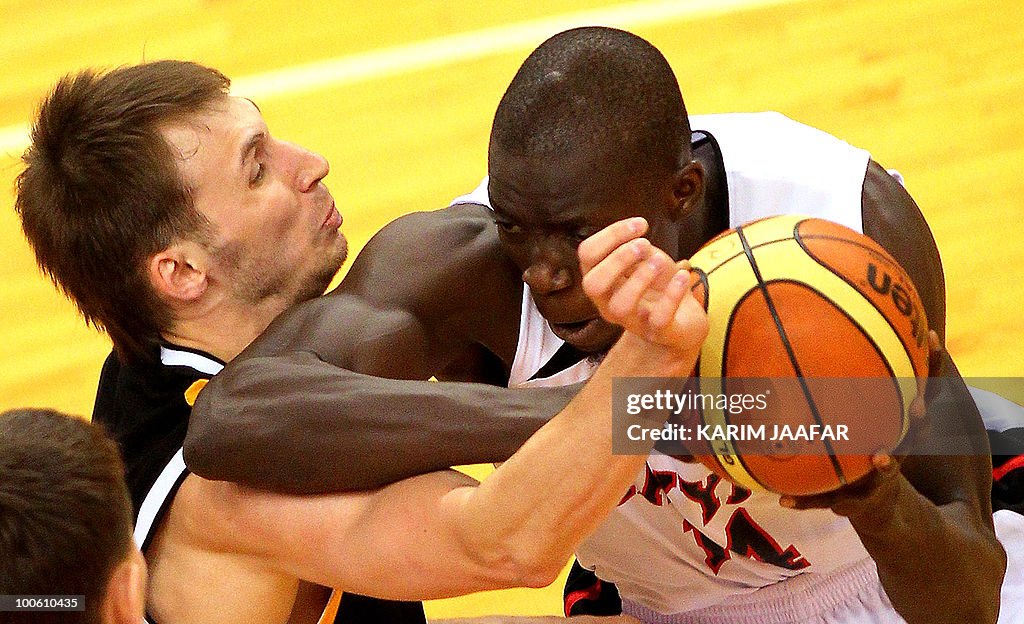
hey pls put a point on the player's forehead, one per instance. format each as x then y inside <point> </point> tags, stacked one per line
<point>214,138</point>
<point>219,118</point>
<point>556,193</point>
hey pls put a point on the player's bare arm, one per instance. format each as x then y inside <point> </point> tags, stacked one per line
<point>443,534</point>
<point>451,311</point>
<point>927,521</point>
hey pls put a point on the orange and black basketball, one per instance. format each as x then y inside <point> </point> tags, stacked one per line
<point>807,303</point>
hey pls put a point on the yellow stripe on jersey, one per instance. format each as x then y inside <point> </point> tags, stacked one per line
<point>331,610</point>
<point>193,391</point>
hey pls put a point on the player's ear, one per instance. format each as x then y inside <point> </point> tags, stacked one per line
<point>179,273</point>
<point>125,599</point>
<point>688,188</point>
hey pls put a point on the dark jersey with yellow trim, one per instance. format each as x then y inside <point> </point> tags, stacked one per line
<point>144,408</point>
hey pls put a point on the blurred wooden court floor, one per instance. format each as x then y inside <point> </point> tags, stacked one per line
<point>399,98</point>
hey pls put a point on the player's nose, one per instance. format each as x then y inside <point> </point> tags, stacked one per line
<point>545,277</point>
<point>310,168</point>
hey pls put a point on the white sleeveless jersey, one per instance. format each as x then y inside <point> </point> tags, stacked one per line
<point>683,539</point>
<point>775,165</point>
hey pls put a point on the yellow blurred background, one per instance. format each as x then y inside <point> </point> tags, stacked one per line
<point>399,97</point>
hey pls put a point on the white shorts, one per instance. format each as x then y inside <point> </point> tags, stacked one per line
<point>1010,531</point>
<point>850,595</point>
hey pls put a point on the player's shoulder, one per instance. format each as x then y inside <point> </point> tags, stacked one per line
<point>434,232</point>
<point>886,206</point>
<point>203,521</point>
<point>885,199</point>
<point>449,249</point>
<point>213,516</point>
<point>891,217</point>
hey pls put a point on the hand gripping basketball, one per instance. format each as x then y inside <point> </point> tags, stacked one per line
<point>803,300</point>
<point>869,501</point>
<point>639,287</point>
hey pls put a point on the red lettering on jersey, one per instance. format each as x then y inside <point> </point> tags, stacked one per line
<point>703,494</point>
<point>738,495</point>
<point>714,554</point>
<point>658,483</point>
<point>747,538</point>
<point>743,535</point>
<point>630,493</point>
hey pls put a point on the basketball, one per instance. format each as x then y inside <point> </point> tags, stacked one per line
<point>824,333</point>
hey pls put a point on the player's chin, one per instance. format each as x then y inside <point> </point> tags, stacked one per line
<point>340,254</point>
<point>332,255</point>
<point>320,277</point>
<point>594,336</point>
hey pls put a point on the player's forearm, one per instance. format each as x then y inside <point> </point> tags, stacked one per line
<point>572,478</point>
<point>935,545</point>
<point>936,563</point>
<point>345,431</point>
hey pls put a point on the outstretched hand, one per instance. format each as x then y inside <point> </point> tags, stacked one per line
<point>638,286</point>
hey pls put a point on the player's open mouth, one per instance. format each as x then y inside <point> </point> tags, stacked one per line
<point>574,332</point>
<point>573,326</point>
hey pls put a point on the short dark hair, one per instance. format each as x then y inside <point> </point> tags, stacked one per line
<point>101,191</point>
<point>65,515</point>
<point>596,89</point>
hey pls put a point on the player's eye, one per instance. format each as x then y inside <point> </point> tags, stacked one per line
<point>508,228</point>
<point>257,176</point>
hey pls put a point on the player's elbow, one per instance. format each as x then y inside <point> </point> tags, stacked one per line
<point>205,458</point>
<point>981,578</point>
<point>541,571</point>
<point>992,569</point>
<point>204,449</point>
<point>217,439</point>
<point>518,565</point>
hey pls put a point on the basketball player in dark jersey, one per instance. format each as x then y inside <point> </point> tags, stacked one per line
<point>172,217</point>
<point>440,293</point>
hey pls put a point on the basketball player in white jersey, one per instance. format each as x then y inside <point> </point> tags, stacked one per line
<point>591,130</point>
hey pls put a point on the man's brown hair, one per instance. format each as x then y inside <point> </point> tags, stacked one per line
<point>101,192</point>
<point>65,515</point>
